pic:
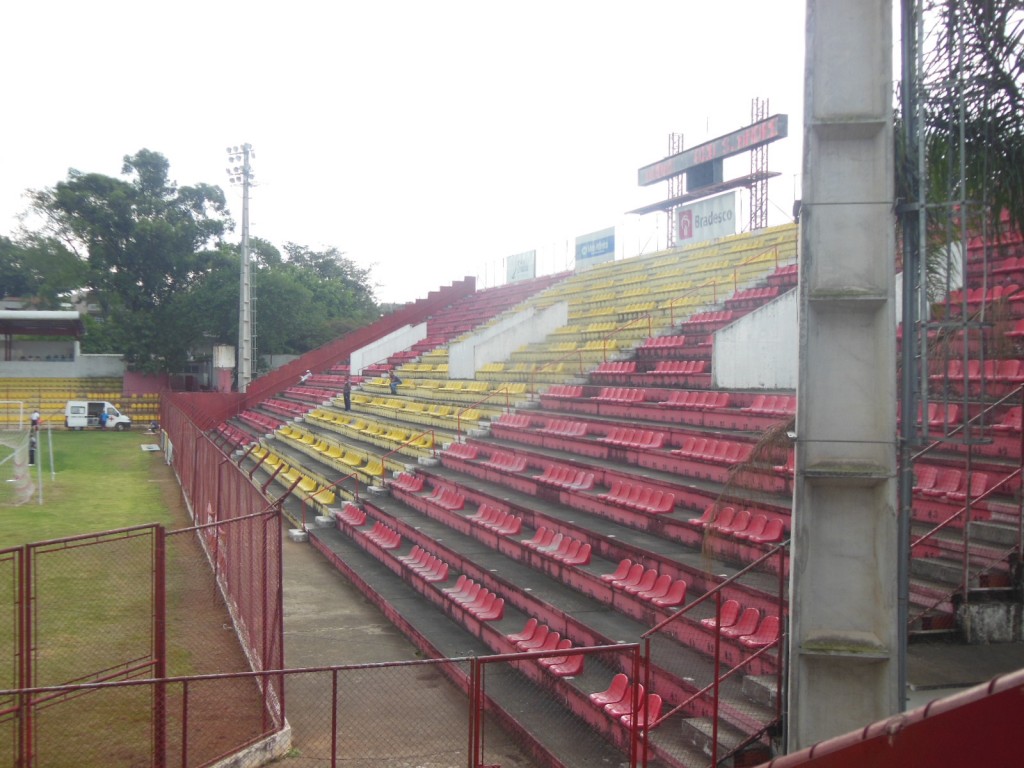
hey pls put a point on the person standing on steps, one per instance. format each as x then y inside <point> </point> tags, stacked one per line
<point>346,392</point>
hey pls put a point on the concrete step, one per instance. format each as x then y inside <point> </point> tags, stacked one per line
<point>762,689</point>
<point>998,534</point>
<point>932,595</point>
<point>950,571</point>
<point>699,731</point>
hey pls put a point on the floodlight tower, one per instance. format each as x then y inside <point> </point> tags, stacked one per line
<point>758,169</point>
<point>675,189</point>
<point>242,174</point>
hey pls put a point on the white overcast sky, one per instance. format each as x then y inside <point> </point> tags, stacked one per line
<point>426,140</point>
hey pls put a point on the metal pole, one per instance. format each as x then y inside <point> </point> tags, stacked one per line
<point>160,645</point>
<point>334,718</point>
<point>184,724</point>
<point>911,255</point>
<point>716,678</point>
<point>1020,503</point>
<point>244,301</point>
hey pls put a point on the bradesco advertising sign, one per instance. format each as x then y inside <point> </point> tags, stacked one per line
<point>595,248</point>
<point>521,266</point>
<point>707,219</point>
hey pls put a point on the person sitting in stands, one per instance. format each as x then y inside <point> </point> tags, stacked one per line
<point>393,381</point>
<point>304,377</point>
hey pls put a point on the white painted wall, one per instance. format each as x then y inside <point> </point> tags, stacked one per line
<point>759,351</point>
<point>503,338</point>
<point>383,348</point>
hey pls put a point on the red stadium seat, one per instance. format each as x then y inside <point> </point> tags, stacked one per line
<point>619,573</point>
<point>649,712</point>
<point>494,611</point>
<point>766,634</point>
<point>926,477</point>
<point>645,582</point>
<point>774,531</point>
<point>614,692</point>
<point>658,589</point>
<point>572,666</point>
<point>676,595</point>
<point>756,527</point>
<point>1011,420</point>
<point>582,556</point>
<point>746,624</point>
<point>536,640</point>
<point>729,614</point>
<point>636,572</point>
<point>526,633</point>
<point>625,705</point>
<point>563,645</point>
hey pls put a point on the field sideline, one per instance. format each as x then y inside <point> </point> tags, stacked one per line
<point>103,481</point>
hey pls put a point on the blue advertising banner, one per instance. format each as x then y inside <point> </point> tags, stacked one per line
<point>595,248</point>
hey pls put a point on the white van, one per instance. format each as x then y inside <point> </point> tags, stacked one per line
<point>79,414</point>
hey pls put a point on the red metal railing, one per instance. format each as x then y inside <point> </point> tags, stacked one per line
<point>332,697</point>
<point>578,353</point>
<point>713,688</point>
<point>458,415</point>
<point>964,514</point>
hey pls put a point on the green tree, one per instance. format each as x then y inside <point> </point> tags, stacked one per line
<point>152,254</point>
<point>974,98</point>
<point>145,242</point>
<point>331,294</point>
<point>40,270</point>
<point>300,302</point>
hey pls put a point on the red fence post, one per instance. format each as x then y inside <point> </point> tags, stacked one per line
<point>27,675</point>
<point>717,671</point>
<point>184,724</point>
<point>475,713</point>
<point>159,645</point>
<point>647,724</point>
<point>334,718</point>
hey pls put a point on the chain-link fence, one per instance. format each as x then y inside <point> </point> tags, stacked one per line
<point>401,714</point>
<point>132,604</point>
<point>448,713</point>
<point>78,610</point>
<point>550,705</point>
<point>11,604</point>
<point>717,666</point>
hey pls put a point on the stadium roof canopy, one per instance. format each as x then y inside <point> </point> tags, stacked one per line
<point>707,191</point>
<point>18,322</point>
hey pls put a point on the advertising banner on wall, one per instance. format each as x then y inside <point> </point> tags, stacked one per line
<point>706,219</point>
<point>521,266</point>
<point>595,248</point>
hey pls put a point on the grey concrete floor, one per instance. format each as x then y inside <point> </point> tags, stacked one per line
<point>328,622</point>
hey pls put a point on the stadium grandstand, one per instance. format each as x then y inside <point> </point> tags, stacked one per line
<point>600,485</point>
<point>590,496</point>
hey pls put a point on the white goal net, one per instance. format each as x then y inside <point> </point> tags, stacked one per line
<point>19,445</point>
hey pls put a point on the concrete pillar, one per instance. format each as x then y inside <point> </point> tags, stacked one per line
<point>843,668</point>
